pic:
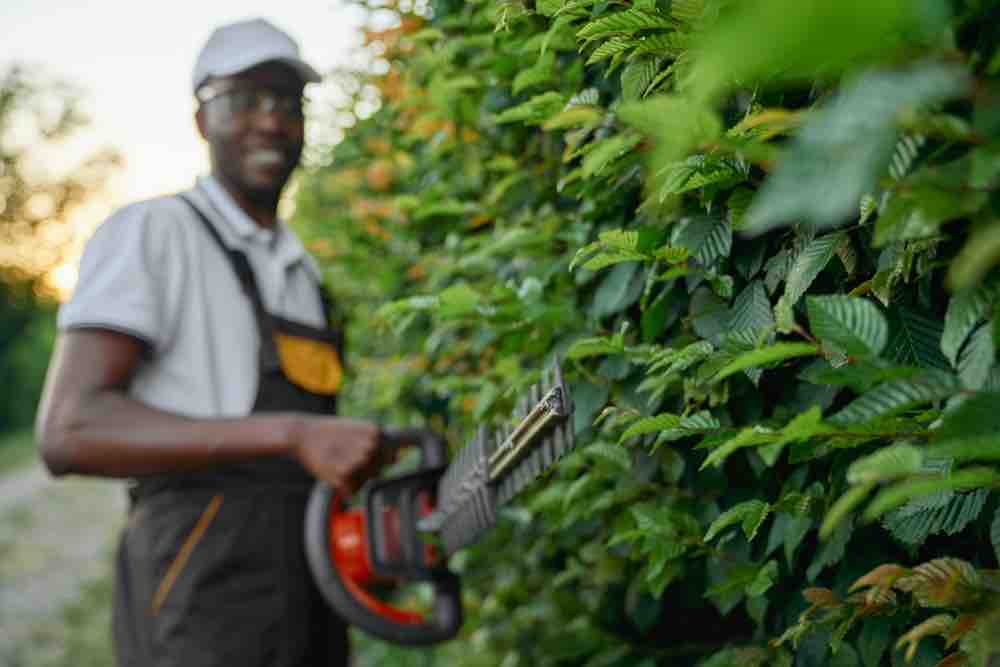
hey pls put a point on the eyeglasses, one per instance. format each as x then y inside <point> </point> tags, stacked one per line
<point>245,100</point>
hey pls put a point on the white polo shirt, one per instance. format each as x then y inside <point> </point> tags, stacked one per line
<point>152,271</point>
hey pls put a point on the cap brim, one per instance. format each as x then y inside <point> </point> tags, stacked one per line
<point>301,67</point>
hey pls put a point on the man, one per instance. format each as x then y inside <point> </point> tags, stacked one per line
<point>196,357</point>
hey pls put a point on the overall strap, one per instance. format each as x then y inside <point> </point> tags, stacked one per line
<point>244,272</point>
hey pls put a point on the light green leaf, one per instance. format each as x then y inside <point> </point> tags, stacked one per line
<point>637,76</point>
<point>594,347</point>
<point>886,464</point>
<point>900,493</point>
<point>843,507</point>
<point>611,247</point>
<point>765,579</point>
<point>608,150</point>
<point>896,396</point>
<point>578,116</point>
<point>971,431</point>
<point>838,155</point>
<point>853,324</point>
<point>748,437</point>
<point>654,424</point>
<point>701,422</point>
<point>458,301</point>
<point>613,47</point>
<point>767,355</point>
<point>536,110</point>
<point>542,72</point>
<point>750,513</point>
<point>980,254</point>
<point>626,22</point>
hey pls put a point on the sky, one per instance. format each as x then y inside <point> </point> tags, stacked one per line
<point>133,61</point>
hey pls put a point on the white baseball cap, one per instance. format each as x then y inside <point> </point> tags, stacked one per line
<point>236,47</point>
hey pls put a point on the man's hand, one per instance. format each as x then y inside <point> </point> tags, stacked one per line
<point>342,452</point>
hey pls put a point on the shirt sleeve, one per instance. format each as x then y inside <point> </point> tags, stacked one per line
<point>121,279</point>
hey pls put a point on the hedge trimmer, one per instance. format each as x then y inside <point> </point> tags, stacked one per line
<point>407,526</point>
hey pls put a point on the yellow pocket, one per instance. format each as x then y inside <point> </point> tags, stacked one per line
<point>311,364</point>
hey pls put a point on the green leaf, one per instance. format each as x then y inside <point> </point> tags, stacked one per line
<point>702,422</point>
<point>654,424</point>
<point>971,431</point>
<point>458,301</point>
<point>902,492</point>
<point>888,463</point>
<point>995,533</point>
<point>611,247</point>
<point>766,577</point>
<point>832,550</point>
<point>855,325</point>
<point>914,339</point>
<point>637,76</point>
<point>626,22</point>
<point>915,522</point>
<point>980,254</point>
<point>750,513</point>
<point>808,264</point>
<point>976,358</point>
<point>752,309</point>
<point>767,355</point>
<point>542,72</point>
<point>536,110</point>
<point>838,155</point>
<point>578,116</point>
<point>613,453</point>
<point>748,437</point>
<point>594,347</point>
<point>896,396</point>
<point>608,150</point>
<point>621,287</point>
<point>842,508</point>
<point>613,47</point>
<point>965,311</point>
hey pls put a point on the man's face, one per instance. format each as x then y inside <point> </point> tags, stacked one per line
<point>253,124</point>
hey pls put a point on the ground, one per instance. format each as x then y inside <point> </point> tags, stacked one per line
<point>55,540</point>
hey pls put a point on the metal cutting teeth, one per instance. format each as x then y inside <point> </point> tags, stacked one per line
<point>495,467</point>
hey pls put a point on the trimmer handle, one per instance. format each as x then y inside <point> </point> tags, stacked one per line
<point>350,548</point>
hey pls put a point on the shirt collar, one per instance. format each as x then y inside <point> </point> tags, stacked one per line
<point>280,241</point>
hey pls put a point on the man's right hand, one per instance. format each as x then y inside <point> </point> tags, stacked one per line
<point>342,452</point>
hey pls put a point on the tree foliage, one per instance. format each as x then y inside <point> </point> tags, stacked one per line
<point>762,235</point>
<point>36,114</point>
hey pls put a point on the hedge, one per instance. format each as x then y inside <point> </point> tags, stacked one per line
<point>762,238</point>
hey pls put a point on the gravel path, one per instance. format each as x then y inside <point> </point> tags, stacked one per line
<point>55,535</point>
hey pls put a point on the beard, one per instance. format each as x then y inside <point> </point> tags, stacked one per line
<point>258,174</point>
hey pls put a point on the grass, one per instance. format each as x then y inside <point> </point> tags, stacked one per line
<point>16,450</point>
<point>79,636</point>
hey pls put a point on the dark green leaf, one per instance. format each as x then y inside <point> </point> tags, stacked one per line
<point>855,325</point>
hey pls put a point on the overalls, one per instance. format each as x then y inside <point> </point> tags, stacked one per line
<point>211,570</point>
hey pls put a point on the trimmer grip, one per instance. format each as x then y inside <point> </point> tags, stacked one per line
<point>347,549</point>
<point>433,448</point>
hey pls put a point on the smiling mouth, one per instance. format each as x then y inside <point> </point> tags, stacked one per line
<point>266,157</point>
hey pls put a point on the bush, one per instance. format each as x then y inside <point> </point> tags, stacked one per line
<point>763,238</point>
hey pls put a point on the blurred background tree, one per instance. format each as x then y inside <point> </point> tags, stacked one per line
<point>42,184</point>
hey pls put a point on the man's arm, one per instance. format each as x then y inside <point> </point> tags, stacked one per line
<point>88,424</point>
